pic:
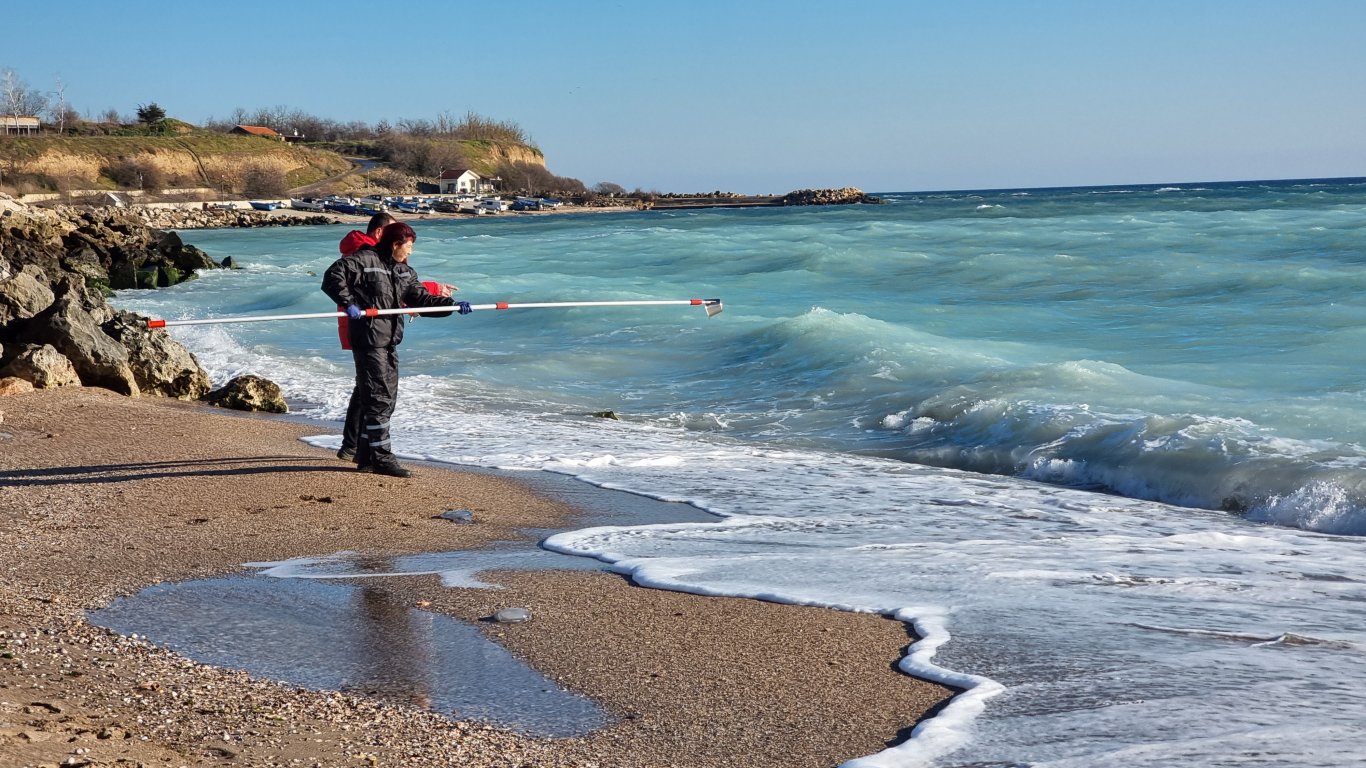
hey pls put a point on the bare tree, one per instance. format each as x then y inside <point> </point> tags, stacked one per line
<point>59,111</point>
<point>18,99</point>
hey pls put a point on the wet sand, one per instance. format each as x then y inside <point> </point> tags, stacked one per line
<point>102,496</point>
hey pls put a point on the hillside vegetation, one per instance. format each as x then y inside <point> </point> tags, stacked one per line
<point>230,164</point>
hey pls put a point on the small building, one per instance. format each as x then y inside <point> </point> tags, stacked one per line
<point>257,130</point>
<point>20,126</point>
<point>457,180</point>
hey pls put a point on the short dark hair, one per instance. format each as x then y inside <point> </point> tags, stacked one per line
<point>379,221</point>
<point>392,235</point>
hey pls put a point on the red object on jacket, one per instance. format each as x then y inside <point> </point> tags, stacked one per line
<point>354,241</point>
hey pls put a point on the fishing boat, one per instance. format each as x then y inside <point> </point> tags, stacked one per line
<point>307,204</point>
<point>341,205</point>
<point>263,205</point>
<point>412,207</point>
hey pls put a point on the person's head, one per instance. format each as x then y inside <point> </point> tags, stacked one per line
<point>396,241</point>
<point>377,222</point>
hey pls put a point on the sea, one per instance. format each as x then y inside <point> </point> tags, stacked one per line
<point>1103,448</point>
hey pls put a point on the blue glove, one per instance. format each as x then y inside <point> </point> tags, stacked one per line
<point>354,312</point>
<point>463,307</point>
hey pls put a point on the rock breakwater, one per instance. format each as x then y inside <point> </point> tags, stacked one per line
<point>842,196</point>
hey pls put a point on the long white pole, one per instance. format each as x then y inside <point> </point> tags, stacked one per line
<point>713,307</point>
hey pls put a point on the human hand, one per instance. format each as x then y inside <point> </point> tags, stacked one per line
<point>463,307</point>
<point>354,312</point>
<point>447,289</point>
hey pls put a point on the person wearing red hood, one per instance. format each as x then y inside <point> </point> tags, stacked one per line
<point>368,280</point>
<point>352,243</point>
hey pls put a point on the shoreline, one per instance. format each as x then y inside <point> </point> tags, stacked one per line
<point>102,496</point>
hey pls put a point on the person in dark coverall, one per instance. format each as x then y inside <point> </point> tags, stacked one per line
<point>380,278</point>
<point>352,243</point>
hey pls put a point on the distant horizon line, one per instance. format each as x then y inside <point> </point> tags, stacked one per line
<point>1332,179</point>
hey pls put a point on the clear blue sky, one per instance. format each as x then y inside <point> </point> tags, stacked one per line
<point>763,96</point>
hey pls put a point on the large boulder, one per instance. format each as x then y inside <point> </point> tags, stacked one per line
<point>23,294</point>
<point>69,327</point>
<point>160,365</point>
<point>249,393</point>
<point>43,366</point>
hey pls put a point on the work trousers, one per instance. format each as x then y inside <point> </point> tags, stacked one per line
<point>351,426</point>
<point>377,391</point>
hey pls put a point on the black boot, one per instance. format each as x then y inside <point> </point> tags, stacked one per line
<point>391,468</point>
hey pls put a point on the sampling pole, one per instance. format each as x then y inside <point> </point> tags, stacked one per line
<point>713,308</point>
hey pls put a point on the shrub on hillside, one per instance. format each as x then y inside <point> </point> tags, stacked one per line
<point>534,179</point>
<point>390,179</point>
<point>135,174</point>
<point>263,182</point>
<point>420,156</point>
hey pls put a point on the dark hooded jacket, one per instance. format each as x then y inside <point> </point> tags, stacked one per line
<point>369,280</point>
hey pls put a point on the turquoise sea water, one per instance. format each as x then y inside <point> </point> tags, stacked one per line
<point>1103,446</point>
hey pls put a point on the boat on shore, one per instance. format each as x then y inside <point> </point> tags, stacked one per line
<point>408,206</point>
<point>317,205</point>
<point>341,205</point>
<point>264,205</point>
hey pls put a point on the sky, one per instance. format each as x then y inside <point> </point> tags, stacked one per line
<point>763,96</point>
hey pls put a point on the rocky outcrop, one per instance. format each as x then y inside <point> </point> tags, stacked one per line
<point>71,328</point>
<point>117,245</point>
<point>160,365</point>
<point>56,328</point>
<point>842,196</point>
<point>249,393</point>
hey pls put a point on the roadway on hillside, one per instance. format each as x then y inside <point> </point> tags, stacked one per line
<point>358,165</point>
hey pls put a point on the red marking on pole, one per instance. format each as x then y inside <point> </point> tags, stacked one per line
<point>501,305</point>
<point>156,323</point>
<point>372,312</point>
<point>695,302</point>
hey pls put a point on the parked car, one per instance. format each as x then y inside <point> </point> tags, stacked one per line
<point>525,205</point>
<point>492,205</point>
<point>446,206</point>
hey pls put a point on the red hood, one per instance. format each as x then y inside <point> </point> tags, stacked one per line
<point>356,240</point>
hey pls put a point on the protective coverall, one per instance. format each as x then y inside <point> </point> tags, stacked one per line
<point>369,280</point>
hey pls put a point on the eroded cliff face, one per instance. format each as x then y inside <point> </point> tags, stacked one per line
<point>508,153</point>
<point>220,162</point>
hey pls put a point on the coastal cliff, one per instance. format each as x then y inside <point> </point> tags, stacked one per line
<point>231,164</point>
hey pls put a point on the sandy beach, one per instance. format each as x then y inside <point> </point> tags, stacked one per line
<point>102,496</point>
